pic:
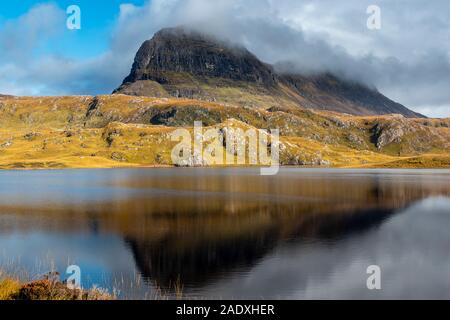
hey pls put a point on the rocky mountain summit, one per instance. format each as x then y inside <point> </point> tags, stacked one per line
<point>180,51</point>
<point>181,63</point>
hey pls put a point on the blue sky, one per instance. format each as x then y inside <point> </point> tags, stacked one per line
<point>40,56</point>
<point>98,20</point>
<point>408,59</point>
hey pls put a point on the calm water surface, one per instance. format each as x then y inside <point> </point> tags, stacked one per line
<point>230,233</point>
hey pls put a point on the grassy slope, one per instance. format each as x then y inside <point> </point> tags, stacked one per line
<point>117,131</point>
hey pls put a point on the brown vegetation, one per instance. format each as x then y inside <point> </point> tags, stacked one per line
<point>123,131</point>
<point>45,289</point>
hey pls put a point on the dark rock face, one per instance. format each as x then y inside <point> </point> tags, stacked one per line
<point>181,63</point>
<point>181,51</point>
<point>329,90</point>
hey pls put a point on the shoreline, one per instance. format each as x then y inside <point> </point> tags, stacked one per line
<point>225,167</point>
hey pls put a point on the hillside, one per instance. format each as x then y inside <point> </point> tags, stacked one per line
<point>185,64</point>
<point>126,131</point>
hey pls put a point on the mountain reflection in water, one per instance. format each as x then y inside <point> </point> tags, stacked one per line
<point>217,231</point>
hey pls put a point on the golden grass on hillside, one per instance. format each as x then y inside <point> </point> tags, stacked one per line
<point>124,131</point>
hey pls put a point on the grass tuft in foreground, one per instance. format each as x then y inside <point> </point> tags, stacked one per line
<point>45,289</point>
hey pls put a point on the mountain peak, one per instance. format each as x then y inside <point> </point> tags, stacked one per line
<point>181,50</point>
<point>184,63</point>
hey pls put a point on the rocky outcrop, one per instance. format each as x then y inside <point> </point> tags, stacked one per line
<point>182,51</point>
<point>356,141</point>
<point>385,133</point>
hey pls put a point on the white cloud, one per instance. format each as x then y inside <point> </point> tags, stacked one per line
<point>21,37</point>
<point>434,111</point>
